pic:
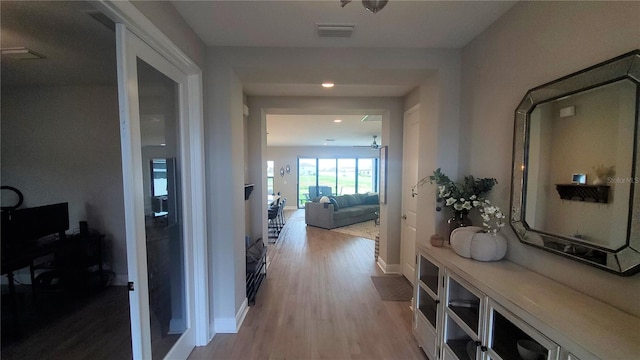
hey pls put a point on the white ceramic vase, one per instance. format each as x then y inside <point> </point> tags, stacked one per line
<point>461,239</point>
<point>488,246</point>
<point>471,242</point>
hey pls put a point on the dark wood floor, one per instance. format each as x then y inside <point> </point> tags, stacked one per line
<point>68,326</point>
<point>318,302</point>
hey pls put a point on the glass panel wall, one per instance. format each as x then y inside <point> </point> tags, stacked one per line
<point>307,177</point>
<point>346,176</point>
<point>337,176</point>
<point>270,177</point>
<point>327,177</point>
<point>365,179</point>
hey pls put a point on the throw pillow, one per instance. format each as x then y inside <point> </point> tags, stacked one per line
<point>335,203</point>
<point>352,200</point>
<point>372,199</point>
<point>342,201</point>
<point>324,199</point>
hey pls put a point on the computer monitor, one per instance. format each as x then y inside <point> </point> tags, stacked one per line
<point>33,223</point>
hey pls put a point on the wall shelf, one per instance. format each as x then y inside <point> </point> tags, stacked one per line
<point>248,188</point>
<point>590,193</point>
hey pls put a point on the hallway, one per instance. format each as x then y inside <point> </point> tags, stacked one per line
<point>319,302</point>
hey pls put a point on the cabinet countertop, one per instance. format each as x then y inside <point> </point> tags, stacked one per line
<point>576,321</point>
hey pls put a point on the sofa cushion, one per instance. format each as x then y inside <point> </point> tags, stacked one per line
<point>369,209</point>
<point>342,201</point>
<point>353,200</point>
<point>348,212</point>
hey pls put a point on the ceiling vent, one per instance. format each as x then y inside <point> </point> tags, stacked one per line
<point>335,30</point>
<point>20,53</point>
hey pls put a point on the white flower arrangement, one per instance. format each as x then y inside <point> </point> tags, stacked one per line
<point>491,214</point>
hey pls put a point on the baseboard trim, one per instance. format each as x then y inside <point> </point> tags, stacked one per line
<point>232,325</point>
<point>389,268</point>
<point>242,313</point>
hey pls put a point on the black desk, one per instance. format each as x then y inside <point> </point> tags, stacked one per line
<point>71,260</point>
<point>71,257</point>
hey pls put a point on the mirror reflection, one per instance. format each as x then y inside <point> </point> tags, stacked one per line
<point>580,165</point>
<point>576,157</point>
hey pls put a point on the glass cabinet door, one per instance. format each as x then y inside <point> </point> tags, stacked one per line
<point>511,338</point>
<point>464,303</point>
<point>427,306</point>
<point>428,274</point>
<point>458,341</point>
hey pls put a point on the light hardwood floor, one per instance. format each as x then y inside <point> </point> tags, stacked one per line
<point>318,302</point>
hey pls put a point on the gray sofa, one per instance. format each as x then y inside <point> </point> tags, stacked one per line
<point>351,209</point>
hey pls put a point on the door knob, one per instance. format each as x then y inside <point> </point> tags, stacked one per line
<point>404,217</point>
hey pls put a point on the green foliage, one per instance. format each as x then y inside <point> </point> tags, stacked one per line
<point>462,196</point>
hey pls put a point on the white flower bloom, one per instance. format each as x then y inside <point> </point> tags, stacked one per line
<point>476,203</point>
<point>461,199</point>
<point>457,207</point>
<point>473,197</point>
<point>490,209</point>
<point>450,201</point>
<point>467,205</point>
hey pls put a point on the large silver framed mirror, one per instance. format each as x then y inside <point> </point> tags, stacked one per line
<point>576,166</point>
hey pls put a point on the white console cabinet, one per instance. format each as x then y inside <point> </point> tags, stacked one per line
<point>470,310</point>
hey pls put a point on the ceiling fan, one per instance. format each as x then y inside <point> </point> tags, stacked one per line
<point>374,145</point>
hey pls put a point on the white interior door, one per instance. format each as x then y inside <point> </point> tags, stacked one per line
<point>409,203</point>
<point>155,160</point>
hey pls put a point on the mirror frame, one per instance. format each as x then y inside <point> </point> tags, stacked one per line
<point>623,261</point>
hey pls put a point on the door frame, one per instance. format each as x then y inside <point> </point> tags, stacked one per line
<point>127,14</point>
<point>407,113</point>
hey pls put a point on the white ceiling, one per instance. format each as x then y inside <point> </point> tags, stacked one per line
<point>401,24</point>
<point>79,50</point>
<point>314,130</point>
<point>292,23</point>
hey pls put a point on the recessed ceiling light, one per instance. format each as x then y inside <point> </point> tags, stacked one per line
<point>327,84</point>
<point>337,121</point>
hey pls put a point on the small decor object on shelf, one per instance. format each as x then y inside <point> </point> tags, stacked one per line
<point>579,179</point>
<point>282,171</point>
<point>287,169</point>
<point>603,173</point>
<point>460,197</point>
<point>482,244</point>
<point>436,240</point>
<point>458,220</point>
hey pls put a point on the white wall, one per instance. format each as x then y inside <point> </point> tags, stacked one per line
<point>62,144</point>
<point>532,44</point>
<point>224,154</point>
